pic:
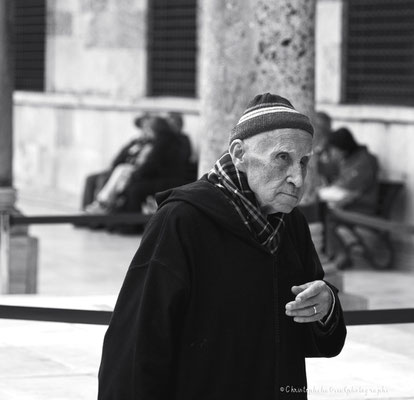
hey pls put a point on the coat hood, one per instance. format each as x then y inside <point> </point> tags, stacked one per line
<point>212,203</point>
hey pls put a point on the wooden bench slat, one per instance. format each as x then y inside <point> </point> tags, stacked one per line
<point>369,221</point>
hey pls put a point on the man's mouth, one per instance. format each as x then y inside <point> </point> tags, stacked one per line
<point>290,194</point>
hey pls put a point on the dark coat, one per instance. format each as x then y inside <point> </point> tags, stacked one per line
<point>164,168</point>
<point>201,313</point>
<point>359,173</point>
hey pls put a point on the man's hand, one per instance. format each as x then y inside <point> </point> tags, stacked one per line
<point>310,297</point>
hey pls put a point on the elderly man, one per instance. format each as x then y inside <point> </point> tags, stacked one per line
<point>225,296</point>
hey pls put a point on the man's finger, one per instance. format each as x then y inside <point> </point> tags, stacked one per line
<point>312,290</point>
<point>305,320</point>
<point>303,312</point>
<point>298,289</point>
<point>299,305</point>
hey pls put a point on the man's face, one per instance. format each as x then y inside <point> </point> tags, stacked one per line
<point>337,154</point>
<point>276,165</point>
<point>147,132</point>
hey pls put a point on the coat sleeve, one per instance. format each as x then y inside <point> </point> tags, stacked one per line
<point>140,344</point>
<point>122,154</point>
<point>327,340</point>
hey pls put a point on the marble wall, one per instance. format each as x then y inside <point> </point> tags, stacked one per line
<point>60,139</point>
<point>97,47</point>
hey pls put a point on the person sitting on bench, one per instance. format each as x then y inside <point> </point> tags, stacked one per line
<point>155,166</point>
<point>95,182</point>
<point>354,188</point>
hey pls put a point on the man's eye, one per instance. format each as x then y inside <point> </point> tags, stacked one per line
<point>283,156</point>
<point>304,162</point>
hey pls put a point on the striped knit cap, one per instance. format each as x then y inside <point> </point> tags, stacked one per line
<point>267,112</point>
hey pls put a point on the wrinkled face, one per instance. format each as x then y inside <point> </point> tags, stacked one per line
<point>276,164</point>
<point>337,154</point>
<point>146,129</point>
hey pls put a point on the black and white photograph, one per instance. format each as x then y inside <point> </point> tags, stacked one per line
<point>206,199</point>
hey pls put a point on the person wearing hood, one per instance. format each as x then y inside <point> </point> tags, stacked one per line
<point>225,295</point>
<point>354,187</point>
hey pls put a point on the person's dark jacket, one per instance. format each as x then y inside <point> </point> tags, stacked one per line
<point>128,153</point>
<point>164,168</point>
<point>167,159</point>
<point>201,313</point>
<point>359,173</point>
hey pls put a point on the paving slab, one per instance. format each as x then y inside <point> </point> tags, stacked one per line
<point>44,360</point>
<point>366,369</point>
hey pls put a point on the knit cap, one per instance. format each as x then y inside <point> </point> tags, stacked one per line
<point>267,112</point>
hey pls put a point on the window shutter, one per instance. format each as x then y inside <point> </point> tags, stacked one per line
<point>172,44</point>
<point>379,52</point>
<point>30,35</point>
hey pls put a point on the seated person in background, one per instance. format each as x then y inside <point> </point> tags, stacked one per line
<point>327,167</point>
<point>164,168</point>
<point>175,120</point>
<point>186,170</point>
<point>132,157</point>
<point>157,166</point>
<point>354,186</point>
<point>95,182</point>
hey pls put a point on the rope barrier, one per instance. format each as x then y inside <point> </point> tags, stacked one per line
<point>379,317</point>
<point>360,317</point>
<point>123,218</point>
<point>91,317</point>
<point>95,317</point>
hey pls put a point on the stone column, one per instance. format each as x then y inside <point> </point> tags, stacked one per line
<point>285,50</point>
<point>285,57</point>
<point>7,194</point>
<point>18,251</point>
<point>6,94</point>
<point>227,69</point>
<point>250,47</point>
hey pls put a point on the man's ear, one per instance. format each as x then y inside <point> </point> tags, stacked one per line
<point>237,153</point>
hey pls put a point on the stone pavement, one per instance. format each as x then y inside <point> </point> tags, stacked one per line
<point>79,268</point>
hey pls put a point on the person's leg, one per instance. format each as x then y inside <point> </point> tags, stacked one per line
<point>93,184</point>
<point>339,240</point>
<point>89,190</point>
<point>115,184</point>
<point>100,181</point>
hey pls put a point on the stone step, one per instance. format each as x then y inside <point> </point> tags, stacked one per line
<point>332,275</point>
<point>23,264</point>
<point>351,301</point>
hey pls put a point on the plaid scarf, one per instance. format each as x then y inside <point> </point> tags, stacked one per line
<point>233,183</point>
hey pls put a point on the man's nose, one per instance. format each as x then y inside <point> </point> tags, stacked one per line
<point>296,176</point>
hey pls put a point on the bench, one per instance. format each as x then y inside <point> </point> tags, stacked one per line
<point>379,223</point>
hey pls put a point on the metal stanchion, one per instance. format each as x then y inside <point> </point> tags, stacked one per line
<point>5,251</point>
